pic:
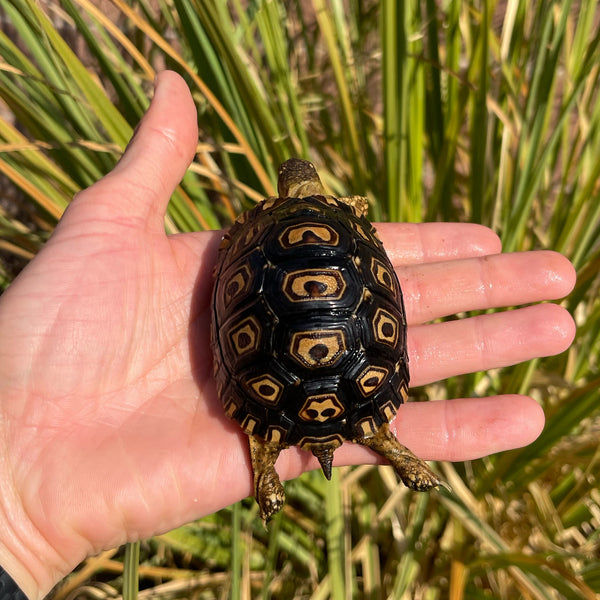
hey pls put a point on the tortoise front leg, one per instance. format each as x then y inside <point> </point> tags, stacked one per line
<point>359,203</point>
<point>268,490</point>
<point>414,472</point>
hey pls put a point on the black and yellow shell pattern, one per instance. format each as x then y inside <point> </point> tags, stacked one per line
<point>309,329</point>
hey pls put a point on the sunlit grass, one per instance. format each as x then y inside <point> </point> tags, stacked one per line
<point>461,111</point>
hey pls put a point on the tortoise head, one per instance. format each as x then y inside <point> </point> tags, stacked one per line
<point>298,179</point>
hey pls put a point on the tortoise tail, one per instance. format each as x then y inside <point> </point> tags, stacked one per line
<point>324,454</point>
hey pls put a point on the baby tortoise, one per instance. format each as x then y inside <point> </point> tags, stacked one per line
<point>309,332</point>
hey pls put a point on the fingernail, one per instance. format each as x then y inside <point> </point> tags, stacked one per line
<point>158,85</point>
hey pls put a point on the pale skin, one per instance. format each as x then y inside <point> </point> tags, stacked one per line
<point>110,428</point>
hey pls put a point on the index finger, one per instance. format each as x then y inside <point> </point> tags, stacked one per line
<point>416,243</point>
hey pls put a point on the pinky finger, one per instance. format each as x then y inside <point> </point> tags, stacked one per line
<point>451,430</point>
<point>468,428</point>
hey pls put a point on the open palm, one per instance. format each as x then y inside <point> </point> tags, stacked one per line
<point>110,428</point>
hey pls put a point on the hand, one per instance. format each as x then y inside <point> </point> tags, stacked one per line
<point>110,428</point>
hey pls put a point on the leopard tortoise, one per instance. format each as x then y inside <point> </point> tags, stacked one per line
<point>309,332</point>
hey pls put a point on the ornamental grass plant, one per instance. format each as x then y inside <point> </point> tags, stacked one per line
<point>475,111</point>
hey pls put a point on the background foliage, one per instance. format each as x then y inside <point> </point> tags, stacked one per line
<point>483,111</point>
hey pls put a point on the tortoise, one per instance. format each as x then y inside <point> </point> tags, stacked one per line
<point>309,332</point>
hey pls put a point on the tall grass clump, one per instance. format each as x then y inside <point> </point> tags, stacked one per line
<point>476,111</point>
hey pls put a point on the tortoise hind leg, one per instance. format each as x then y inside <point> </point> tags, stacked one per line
<point>268,490</point>
<point>414,472</point>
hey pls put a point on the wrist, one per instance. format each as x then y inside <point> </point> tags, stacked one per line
<point>9,590</point>
<point>25,554</point>
<point>26,568</point>
<point>18,570</point>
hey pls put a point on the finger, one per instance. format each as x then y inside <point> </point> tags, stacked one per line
<point>141,184</point>
<point>453,348</point>
<point>415,243</point>
<point>440,289</point>
<point>469,428</point>
<point>453,430</point>
<point>165,140</point>
<point>409,243</point>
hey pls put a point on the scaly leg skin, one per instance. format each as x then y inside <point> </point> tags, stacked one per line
<point>268,490</point>
<point>414,472</point>
<point>359,203</point>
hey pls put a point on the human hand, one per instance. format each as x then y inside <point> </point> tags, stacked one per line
<point>110,428</point>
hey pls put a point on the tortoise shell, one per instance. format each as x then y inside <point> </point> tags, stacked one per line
<point>309,324</point>
<point>309,332</point>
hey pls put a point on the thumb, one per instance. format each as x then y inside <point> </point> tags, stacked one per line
<point>160,151</point>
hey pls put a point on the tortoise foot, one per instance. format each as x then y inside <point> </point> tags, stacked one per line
<point>414,472</point>
<point>268,490</point>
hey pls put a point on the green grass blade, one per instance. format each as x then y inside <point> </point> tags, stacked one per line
<point>130,571</point>
<point>73,75</point>
<point>336,555</point>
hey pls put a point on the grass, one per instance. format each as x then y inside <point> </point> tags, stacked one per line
<point>471,111</point>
